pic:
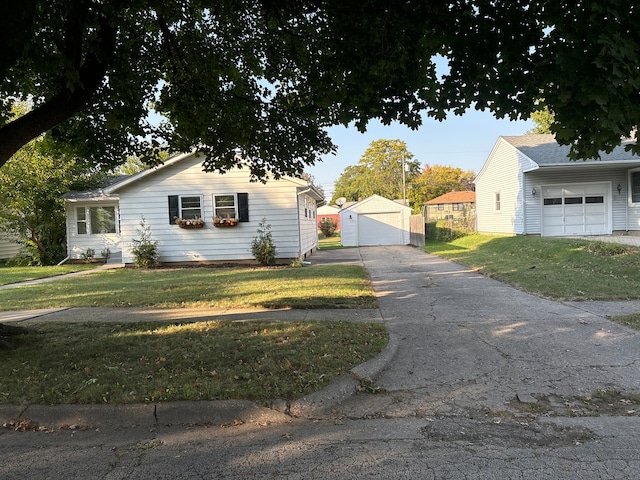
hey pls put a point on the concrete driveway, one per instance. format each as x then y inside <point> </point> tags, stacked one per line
<point>470,342</point>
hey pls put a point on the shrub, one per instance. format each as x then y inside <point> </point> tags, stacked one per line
<point>87,256</point>
<point>445,231</point>
<point>262,246</point>
<point>328,227</point>
<point>144,249</point>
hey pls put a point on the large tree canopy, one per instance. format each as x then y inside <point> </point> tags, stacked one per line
<point>260,79</point>
<point>379,172</point>
<point>437,180</point>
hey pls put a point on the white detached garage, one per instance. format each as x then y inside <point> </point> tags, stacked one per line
<point>375,221</point>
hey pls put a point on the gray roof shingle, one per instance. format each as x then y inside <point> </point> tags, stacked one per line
<point>544,150</point>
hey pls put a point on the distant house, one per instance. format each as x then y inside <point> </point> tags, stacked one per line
<point>375,221</point>
<point>195,216</point>
<point>9,248</point>
<point>528,185</point>
<point>329,212</point>
<point>450,205</point>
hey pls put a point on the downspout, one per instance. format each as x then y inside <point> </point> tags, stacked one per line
<point>62,261</point>
<point>626,207</point>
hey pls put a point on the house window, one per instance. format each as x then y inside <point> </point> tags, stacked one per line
<point>190,207</point>
<point>440,206</point>
<point>96,220</point>
<point>225,206</point>
<point>457,207</point>
<point>635,187</point>
<point>498,202</point>
<point>102,220</point>
<point>81,220</point>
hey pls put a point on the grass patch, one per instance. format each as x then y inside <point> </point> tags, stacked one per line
<point>632,320</point>
<point>329,243</point>
<point>20,274</point>
<point>323,286</point>
<point>115,363</point>
<point>557,268</point>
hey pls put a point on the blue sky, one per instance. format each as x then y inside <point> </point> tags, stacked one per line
<point>460,141</point>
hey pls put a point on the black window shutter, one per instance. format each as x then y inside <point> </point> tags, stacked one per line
<point>174,210</point>
<point>243,207</point>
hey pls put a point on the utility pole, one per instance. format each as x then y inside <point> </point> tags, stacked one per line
<point>404,183</point>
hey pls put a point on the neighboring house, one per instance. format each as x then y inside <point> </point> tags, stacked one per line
<point>528,185</point>
<point>180,202</point>
<point>329,212</point>
<point>450,205</point>
<point>375,221</point>
<point>9,248</point>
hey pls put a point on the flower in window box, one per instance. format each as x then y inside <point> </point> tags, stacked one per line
<point>190,222</point>
<point>224,222</point>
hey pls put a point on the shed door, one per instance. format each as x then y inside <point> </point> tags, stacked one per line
<point>575,210</point>
<point>379,229</point>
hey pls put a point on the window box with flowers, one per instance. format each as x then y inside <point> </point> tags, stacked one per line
<point>189,223</point>
<point>224,222</point>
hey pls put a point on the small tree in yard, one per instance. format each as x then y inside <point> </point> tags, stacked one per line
<point>328,227</point>
<point>262,246</point>
<point>144,249</point>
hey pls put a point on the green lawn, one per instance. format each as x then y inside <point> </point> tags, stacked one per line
<point>306,287</point>
<point>97,362</point>
<point>557,268</point>
<point>61,363</point>
<point>21,274</point>
<point>329,243</point>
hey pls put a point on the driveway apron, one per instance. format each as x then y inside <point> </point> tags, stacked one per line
<point>470,342</point>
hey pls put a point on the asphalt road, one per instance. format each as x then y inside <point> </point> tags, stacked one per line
<point>486,382</point>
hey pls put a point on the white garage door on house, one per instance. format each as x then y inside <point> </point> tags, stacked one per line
<point>580,209</point>
<point>380,229</point>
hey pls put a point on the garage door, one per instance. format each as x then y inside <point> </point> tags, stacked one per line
<point>379,229</point>
<point>575,210</point>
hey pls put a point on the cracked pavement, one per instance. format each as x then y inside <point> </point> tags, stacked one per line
<point>483,385</point>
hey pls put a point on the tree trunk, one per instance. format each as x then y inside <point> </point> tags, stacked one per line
<point>68,101</point>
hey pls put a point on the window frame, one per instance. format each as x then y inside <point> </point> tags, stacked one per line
<point>216,209</point>
<point>89,225</point>
<point>182,209</point>
<point>497,202</point>
<point>634,197</point>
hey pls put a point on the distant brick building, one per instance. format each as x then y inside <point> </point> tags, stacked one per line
<point>450,205</point>
<point>329,211</point>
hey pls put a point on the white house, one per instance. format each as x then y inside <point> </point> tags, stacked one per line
<point>8,247</point>
<point>528,185</point>
<point>195,216</point>
<point>375,221</point>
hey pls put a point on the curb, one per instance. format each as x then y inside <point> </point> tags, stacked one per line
<point>318,405</point>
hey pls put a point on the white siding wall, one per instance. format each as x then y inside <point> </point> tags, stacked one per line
<point>276,201</point>
<point>8,247</point>
<point>308,224</point>
<point>502,173</point>
<point>582,175</point>
<point>77,244</point>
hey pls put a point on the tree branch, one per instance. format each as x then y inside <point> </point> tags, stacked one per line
<point>67,102</point>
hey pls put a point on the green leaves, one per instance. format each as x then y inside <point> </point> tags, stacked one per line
<point>259,81</point>
<point>379,171</point>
